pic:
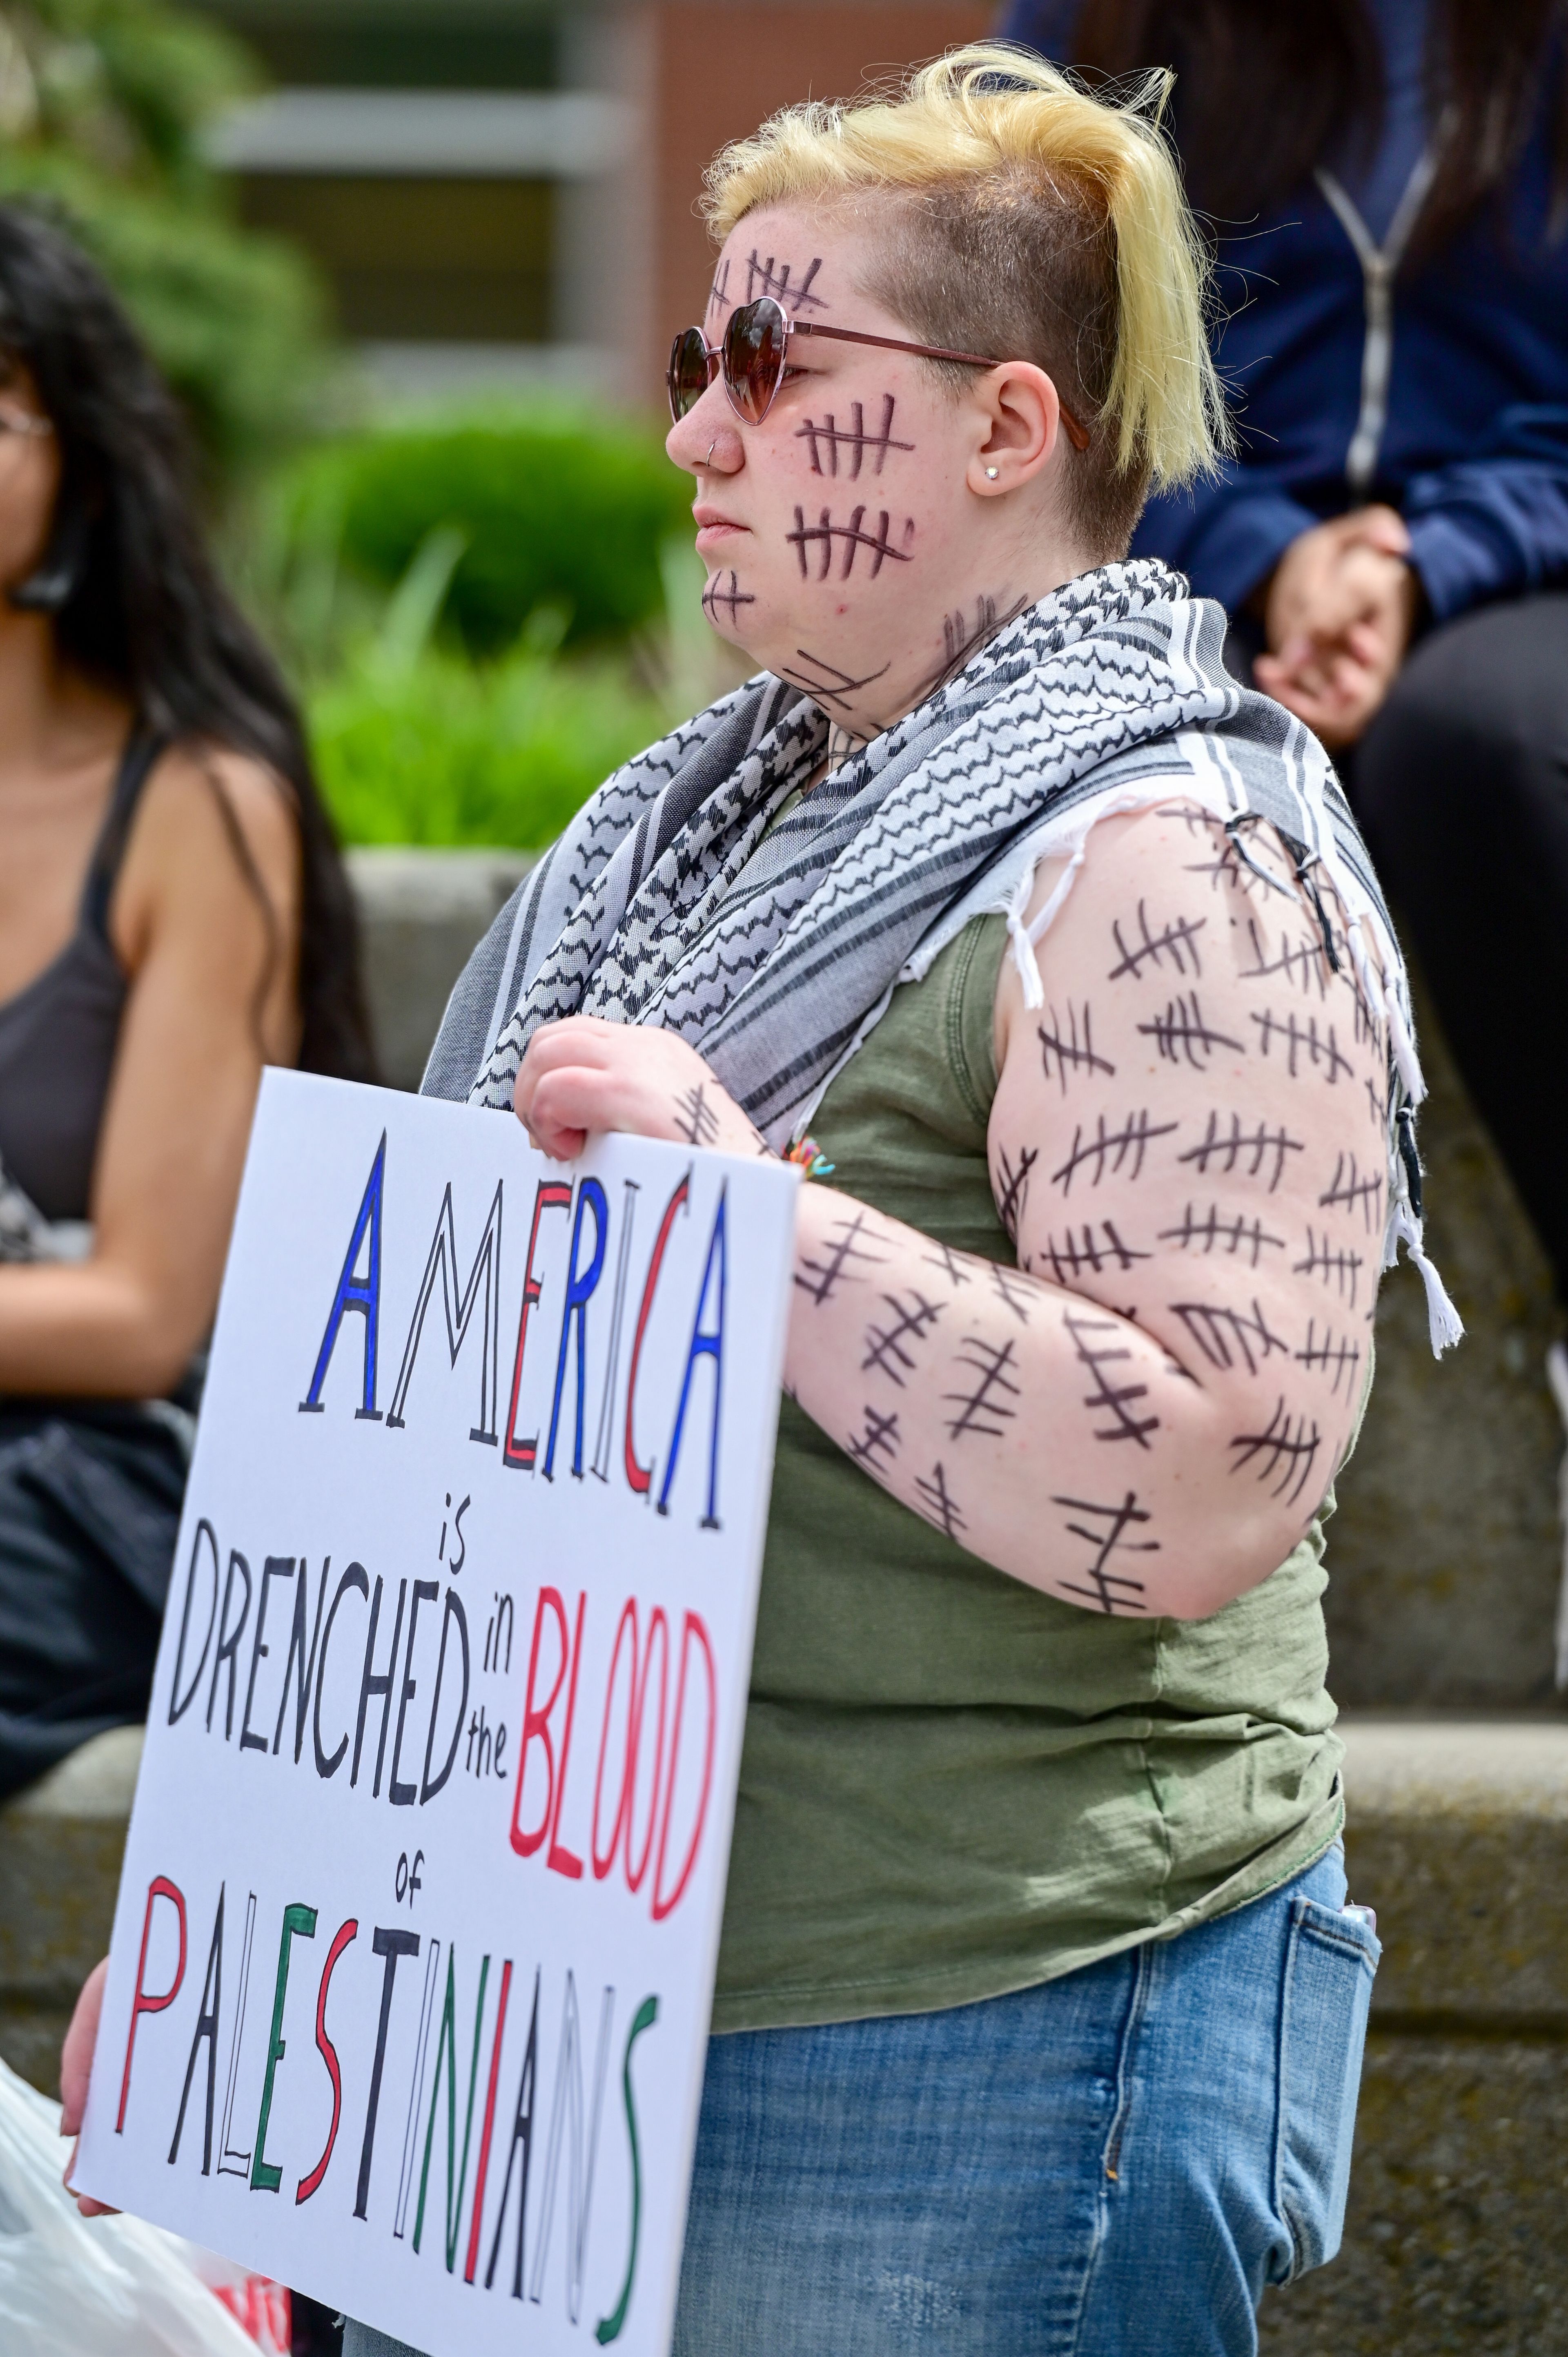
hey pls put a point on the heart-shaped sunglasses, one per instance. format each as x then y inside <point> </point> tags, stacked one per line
<point>753,351</point>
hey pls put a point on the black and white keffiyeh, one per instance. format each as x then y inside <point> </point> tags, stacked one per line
<point>667,900</point>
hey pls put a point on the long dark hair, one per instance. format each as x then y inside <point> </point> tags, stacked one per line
<point>1268,89</point>
<point>137,600</point>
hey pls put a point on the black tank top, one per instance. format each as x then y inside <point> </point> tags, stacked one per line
<point>59,1034</point>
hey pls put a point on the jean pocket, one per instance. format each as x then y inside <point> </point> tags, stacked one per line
<point>1329,1966</point>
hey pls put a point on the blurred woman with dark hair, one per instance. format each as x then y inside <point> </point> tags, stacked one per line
<point>173,914</point>
<point>1388,183</point>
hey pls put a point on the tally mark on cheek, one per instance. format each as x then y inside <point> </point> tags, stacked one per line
<point>1110,1538</point>
<point>1232,1236</point>
<point>1069,1260</point>
<point>1300,963</point>
<point>822,536</point>
<point>1349,1190</point>
<point>937,1503</point>
<point>887,1346</point>
<point>764,278</point>
<point>1070,1054</point>
<point>1328,1357</point>
<point>994,1366</point>
<point>1181,1031</point>
<point>832,685</point>
<point>1014,1186</point>
<point>1116,1398</point>
<point>1118,1150</point>
<point>1302,1039</point>
<point>1284,1452</point>
<point>732,600</point>
<point>850,1243</point>
<point>1339,1268</point>
<point>853,439</point>
<point>1253,1148</point>
<point>1224,1335</point>
<point>1178,940</point>
<point>878,1444</point>
<point>694,1116</point>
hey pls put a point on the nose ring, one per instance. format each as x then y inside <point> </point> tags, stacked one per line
<point>709,460</point>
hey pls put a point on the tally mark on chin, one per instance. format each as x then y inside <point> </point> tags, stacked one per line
<point>1282,1453</point>
<point>1110,1538</point>
<point>1115,1399</point>
<point>732,600</point>
<point>1178,940</point>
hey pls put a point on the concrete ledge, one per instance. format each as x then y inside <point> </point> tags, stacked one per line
<point>420,912</point>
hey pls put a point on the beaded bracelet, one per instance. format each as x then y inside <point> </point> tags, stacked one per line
<point>808,1157</point>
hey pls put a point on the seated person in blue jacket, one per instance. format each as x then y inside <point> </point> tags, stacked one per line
<point>1387,184</point>
<point>173,914</point>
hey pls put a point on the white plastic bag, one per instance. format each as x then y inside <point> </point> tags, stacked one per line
<point>75,2287</point>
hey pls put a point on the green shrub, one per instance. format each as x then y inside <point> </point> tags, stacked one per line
<point>439,750</point>
<point>553,511</point>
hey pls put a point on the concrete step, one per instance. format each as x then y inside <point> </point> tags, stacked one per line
<point>1459,1837</point>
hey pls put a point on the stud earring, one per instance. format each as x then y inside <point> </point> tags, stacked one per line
<point>991,473</point>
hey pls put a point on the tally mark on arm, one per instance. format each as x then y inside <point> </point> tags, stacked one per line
<point>1120,1151</point>
<point>1349,1190</point>
<point>855,439</point>
<point>694,1116</point>
<point>887,1345</point>
<point>1321,1051</point>
<point>1178,940</point>
<point>877,1446</point>
<point>1284,1452</point>
<point>1181,1031</point>
<point>1014,1189</point>
<point>1334,1267</point>
<point>951,1264</point>
<point>1115,1398</point>
<point>1247,1150</point>
<point>1224,1335</point>
<point>1069,1260</point>
<point>1070,1054</point>
<point>852,1238</point>
<point>1113,1591</point>
<point>1232,1236</point>
<point>937,1503</point>
<point>1339,1358</point>
<point>822,535</point>
<point>1010,1290</point>
<point>993,1366</point>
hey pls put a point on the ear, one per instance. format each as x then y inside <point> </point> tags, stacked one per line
<point>1017,421</point>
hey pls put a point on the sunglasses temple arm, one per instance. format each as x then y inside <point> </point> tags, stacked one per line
<point>1077,433</point>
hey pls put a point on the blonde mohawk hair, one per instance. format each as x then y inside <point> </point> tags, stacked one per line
<point>1049,223</point>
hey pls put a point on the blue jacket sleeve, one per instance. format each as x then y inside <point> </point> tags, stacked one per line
<point>1044,25</point>
<point>1496,525</point>
<point>1226,534</point>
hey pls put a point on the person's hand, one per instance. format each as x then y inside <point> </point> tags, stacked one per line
<point>584,1076</point>
<point>1340,613</point>
<point>75,2071</point>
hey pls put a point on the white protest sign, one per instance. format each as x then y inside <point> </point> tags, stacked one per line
<point>415,1939</point>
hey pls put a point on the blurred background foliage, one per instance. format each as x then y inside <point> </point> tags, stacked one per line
<point>483,613</point>
<point>102,107</point>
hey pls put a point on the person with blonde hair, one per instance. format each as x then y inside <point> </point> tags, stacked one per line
<point>1052,955</point>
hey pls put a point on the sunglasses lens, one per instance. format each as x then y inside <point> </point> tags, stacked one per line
<point>688,375</point>
<point>753,357</point>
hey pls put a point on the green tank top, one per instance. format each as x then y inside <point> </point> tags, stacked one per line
<point>953,1785</point>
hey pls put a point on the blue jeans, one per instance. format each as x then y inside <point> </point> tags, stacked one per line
<point>1113,2165</point>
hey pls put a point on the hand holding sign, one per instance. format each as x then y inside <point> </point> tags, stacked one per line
<point>473,1534</point>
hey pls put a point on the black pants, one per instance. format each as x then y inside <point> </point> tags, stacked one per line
<point>1461,786</point>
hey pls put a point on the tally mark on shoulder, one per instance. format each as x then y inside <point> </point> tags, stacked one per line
<point>887,1346</point>
<point>1284,1452</point>
<point>993,1366</point>
<point>1246,1150</point>
<point>853,439</point>
<point>1120,1151</point>
<point>1351,1190</point>
<point>1115,1398</point>
<point>841,1259</point>
<point>830,686</point>
<point>1181,1031</point>
<point>1299,962</point>
<point>694,1116</point>
<point>1226,1335</point>
<point>1060,1045</point>
<point>1069,1260</point>
<point>1339,1358</point>
<point>1320,1050</point>
<point>822,535</point>
<point>1334,1267</point>
<point>1013,1191</point>
<point>1216,1234</point>
<point>937,1502</point>
<point>1178,940</point>
<point>1113,1591</point>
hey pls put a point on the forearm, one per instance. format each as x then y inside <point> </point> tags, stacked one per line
<point>97,1329</point>
<point>1051,1437</point>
